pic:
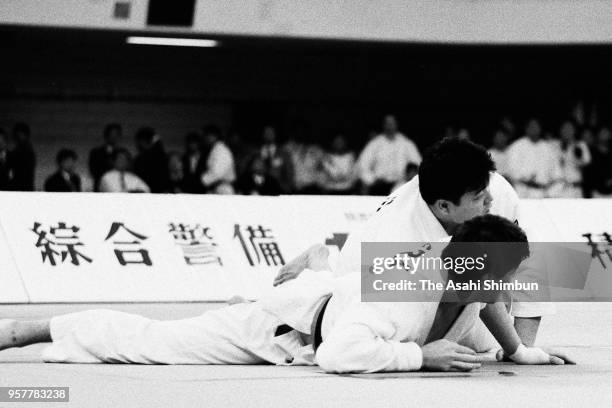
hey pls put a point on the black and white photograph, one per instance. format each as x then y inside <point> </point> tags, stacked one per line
<point>315,203</point>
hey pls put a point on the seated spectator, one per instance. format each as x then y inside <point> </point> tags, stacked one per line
<point>257,181</point>
<point>411,171</point>
<point>65,179</point>
<point>242,150</point>
<point>305,159</point>
<point>573,156</point>
<point>6,172</point>
<point>23,159</point>
<point>598,174</point>
<point>193,163</point>
<point>101,157</point>
<point>277,161</point>
<point>120,179</point>
<point>176,179</point>
<point>219,174</point>
<point>384,159</point>
<point>499,151</point>
<point>151,162</point>
<point>338,168</point>
<point>533,166</point>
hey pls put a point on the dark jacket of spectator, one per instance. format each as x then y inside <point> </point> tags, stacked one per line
<point>193,167</point>
<point>598,175</point>
<point>23,161</point>
<point>151,163</point>
<point>63,182</point>
<point>100,161</point>
<point>256,181</point>
<point>101,157</point>
<point>6,179</point>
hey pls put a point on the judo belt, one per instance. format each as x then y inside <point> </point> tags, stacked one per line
<point>315,328</point>
<point>316,323</point>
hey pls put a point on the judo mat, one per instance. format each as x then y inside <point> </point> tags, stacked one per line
<point>584,330</point>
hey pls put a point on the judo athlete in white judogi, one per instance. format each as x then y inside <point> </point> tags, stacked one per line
<point>456,182</point>
<point>286,325</point>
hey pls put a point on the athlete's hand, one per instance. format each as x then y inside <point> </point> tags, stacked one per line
<point>314,258</point>
<point>445,355</point>
<point>536,356</point>
<point>288,272</point>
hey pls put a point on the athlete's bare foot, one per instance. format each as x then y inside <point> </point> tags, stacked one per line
<point>15,333</point>
<point>8,333</point>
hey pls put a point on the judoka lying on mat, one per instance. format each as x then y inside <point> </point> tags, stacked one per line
<point>286,326</point>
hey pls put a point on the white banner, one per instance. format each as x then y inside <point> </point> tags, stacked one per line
<point>129,248</point>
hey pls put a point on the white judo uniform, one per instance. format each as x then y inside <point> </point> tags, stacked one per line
<point>357,337</point>
<point>405,217</point>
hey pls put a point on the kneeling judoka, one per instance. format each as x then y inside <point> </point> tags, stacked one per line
<point>309,320</point>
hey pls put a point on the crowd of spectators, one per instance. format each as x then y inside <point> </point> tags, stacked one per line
<point>572,161</point>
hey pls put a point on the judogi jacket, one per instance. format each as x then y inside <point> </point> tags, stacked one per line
<point>360,337</point>
<point>405,217</point>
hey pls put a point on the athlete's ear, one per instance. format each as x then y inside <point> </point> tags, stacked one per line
<point>442,206</point>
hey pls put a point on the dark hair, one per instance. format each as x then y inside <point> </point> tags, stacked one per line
<point>504,243</point>
<point>110,127</point>
<point>145,134</point>
<point>64,154</point>
<point>211,130</point>
<point>411,166</point>
<point>453,167</point>
<point>21,127</point>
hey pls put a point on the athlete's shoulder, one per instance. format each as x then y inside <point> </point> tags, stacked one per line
<point>505,199</point>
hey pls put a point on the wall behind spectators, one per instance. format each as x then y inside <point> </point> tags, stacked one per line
<point>517,21</point>
<point>78,125</point>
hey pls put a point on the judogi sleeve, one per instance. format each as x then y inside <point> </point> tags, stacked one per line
<point>364,340</point>
<point>506,203</point>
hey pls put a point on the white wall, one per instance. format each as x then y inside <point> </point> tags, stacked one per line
<point>503,21</point>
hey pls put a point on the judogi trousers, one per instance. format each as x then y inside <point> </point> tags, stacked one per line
<point>238,334</point>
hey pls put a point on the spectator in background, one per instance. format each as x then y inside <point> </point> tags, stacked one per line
<point>276,160</point>
<point>120,179</point>
<point>533,167</point>
<point>193,163</point>
<point>65,179</point>
<point>411,171</point>
<point>101,157</point>
<point>598,175</point>
<point>383,161</point>
<point>23,158</point>
<point>509,127</point>
<point>242,151</point>
<point>220,173</point>
<point>176,179</point>
<point>338,168</point>
<point>587,135</point>
<point>499,151</point>
<point>305,161</point>
<point>573,156</point>
<point>257,181</point>
<point>151,163</point>
<point>6,173</point>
